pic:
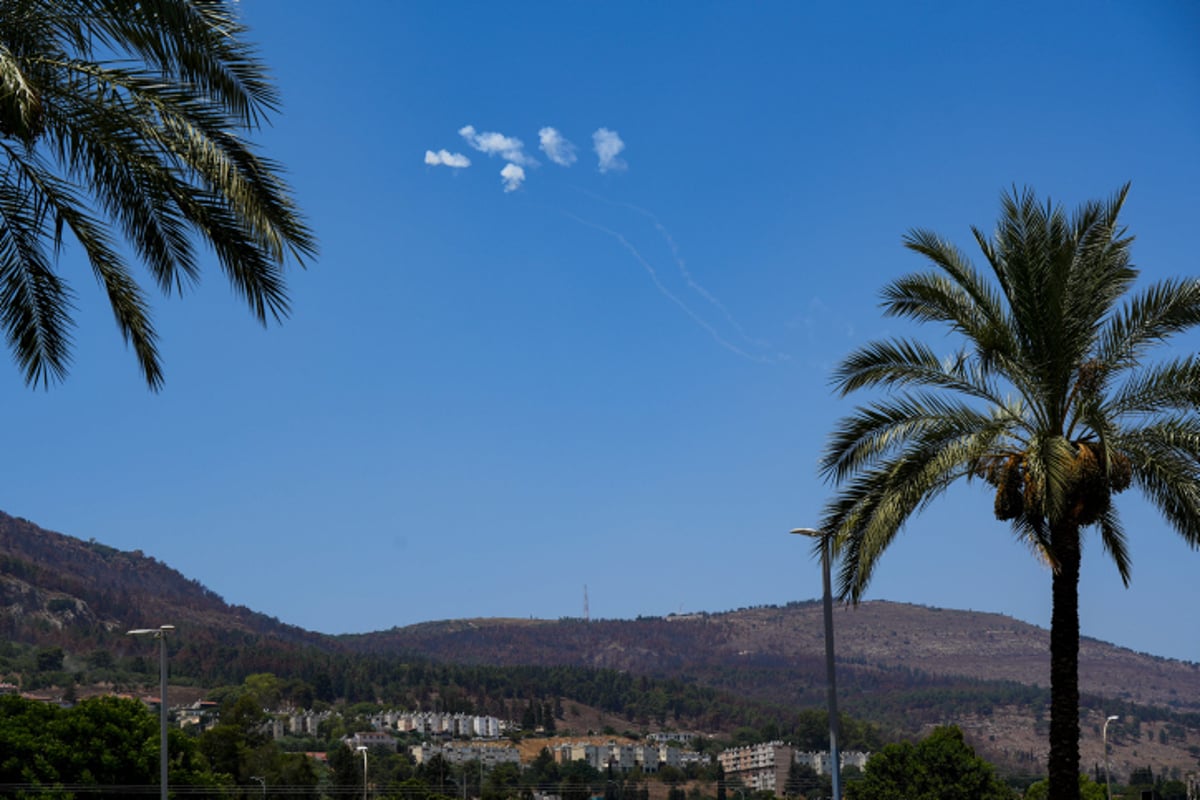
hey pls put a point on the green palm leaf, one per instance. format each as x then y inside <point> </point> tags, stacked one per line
<point>124,121</point>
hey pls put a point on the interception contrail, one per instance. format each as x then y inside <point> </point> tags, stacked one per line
<point>683,270</point>
<point>667,293</point>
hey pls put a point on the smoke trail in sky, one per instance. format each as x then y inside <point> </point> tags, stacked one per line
<point>690,281</point>
<point>667,293</point>
<point>609,146</point>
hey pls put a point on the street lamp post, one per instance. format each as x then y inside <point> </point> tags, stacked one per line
<point>362,748</point>
<point>160,633</point>
<point>1107,768</point>
<point>261,781</point>
<point>835,766</point>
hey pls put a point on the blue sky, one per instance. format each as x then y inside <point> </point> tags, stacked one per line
<point>486,399</point>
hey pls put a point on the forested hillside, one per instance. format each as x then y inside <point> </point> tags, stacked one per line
<point>65,606</point>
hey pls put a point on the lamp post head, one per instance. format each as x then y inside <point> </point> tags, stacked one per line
<point>159,632</point>
<point>1113,718</point>
<point>813,532</point>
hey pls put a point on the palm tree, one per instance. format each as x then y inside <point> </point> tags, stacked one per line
<point>121,132</point>
<point>1047,401</point>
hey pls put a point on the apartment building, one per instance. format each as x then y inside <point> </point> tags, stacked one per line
<point>490,755</point>
<point>762,767</point>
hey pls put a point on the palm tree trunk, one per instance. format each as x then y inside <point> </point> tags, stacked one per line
<point>1064,666</point>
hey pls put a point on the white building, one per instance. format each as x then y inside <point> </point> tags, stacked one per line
<point>371,739</point>
<point>489,755</point>
<point>679,737</point>
<point>819,760</point>
<point>669,756</point>
<point>762,767</point>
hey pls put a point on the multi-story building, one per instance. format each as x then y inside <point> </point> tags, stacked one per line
<point>434,723</point>
<point>819,760</point>
<point>595,755</point>
<point>762,767</point>
<point>370,739</point>
<point>683,758</point>
<point>679,737</point>
<point>646,757</point>
<point>618,757</point>
<point>489,755</point>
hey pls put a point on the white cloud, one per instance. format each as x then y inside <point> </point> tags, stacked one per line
<point>447,159</point>
<point>513,177</point>
<point>608,146</point>
<point>556,148</point>
<point>509,148</point>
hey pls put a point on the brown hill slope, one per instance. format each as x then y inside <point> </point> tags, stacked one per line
<point>878,642</point>
<point>60,590</point>
<point>910,665</point>
<point>56,589</point>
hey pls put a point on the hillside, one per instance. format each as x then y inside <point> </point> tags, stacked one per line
<point>56,590</point>
<point>904,666</point>
<point>877,642</point>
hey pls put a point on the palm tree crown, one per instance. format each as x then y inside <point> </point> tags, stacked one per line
<point>1046,400</point>
<point>121,121</point>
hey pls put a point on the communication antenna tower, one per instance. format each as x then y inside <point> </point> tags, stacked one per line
<point>587,617</point>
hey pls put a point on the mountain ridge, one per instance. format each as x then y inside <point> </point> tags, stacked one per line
<point>96,588</point>
<point>904,665</point>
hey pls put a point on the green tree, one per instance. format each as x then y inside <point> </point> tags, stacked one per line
<point>105,744</point>
<point>346,766</point>
<point>802,780</point>
<point>237,745</point>
<point>265,688</point>
<point>1047,400</point>
<point>100,659</point>
<point>503,780</point>
<point>940,767</point>
<point>49,659</point>
<point>1172,790</point>
<point>1088,790</point>
<point>436,772</point>
<point>124,120</point>
<point>544,769</point>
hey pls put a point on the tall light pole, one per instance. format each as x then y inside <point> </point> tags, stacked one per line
<point>160,633</point>
<point>261,781</point>
<point>362,748</point>
<point>835,765</point>
<point>1107,768</point>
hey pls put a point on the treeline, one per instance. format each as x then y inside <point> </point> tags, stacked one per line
<point>102,747</point>
<point>108,747</point>
<point>412,682</point>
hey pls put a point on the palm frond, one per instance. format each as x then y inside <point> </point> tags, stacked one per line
<point>34,302</point>
<point>974,306</point>
<point>129,307</point>
<point>1165,461</point>
<point>1112,536</point>
<point>124,120</point>
<point>1099,272</point>
<point>21,108</point>
<point>200,44</point>
<point>1032,530</point>
<point>878,500</point>
<point>876,430</point>
<point>899,362</point>
<point>1168,386</point>
<point>1152,316</point>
